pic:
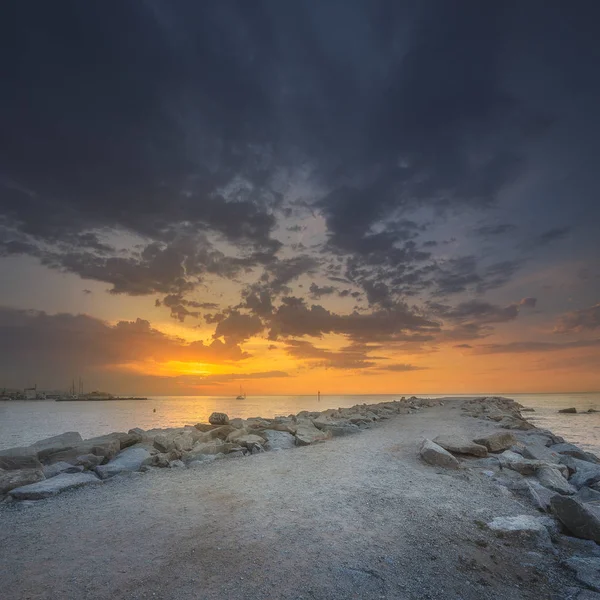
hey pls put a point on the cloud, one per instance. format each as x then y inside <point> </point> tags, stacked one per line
<point>533,347</point>
<point>55,348</point>
<point>294,318</point>
<point>401,368</point>
<point>488,231</point>
<point>317,292</point>
<point>586,319</point>
<point>237,327</point>
<point>354,356</point>
<point>212,380</point>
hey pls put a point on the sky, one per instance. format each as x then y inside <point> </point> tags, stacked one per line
<point>351,196</point>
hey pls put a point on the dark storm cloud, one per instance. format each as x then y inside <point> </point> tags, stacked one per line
<point>180,307</point>
<point>57,347</point>
<point>317,291</point>
<point>237,327</point>
<point>199,127</point>
<point>533,347</point>
<point>294,318</point>
<point>354,356</point>
<point>586,319</point>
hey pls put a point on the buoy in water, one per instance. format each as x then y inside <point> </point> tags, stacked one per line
<point>154,410</point>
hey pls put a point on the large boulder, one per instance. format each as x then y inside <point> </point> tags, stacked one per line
<point>540,495</point>
<point>574,451</point>
<point>217,446</point>
<point>540,452</point>
<point>586,570</point>
<point>89,461</point>
<point>15,478</point>
<point>222,432</point>
<point>588,495</point>
<point>61,467</point>
<point>460,445</point>
<point>568,411</point>
<point>553,480</point>
<point>218,418</point>
<point>435,455</point>
<point>582,520</point>
<point>130,459</point>
<point>248,440</point>
<point>278,440</point>
<point>23,457</point>
<point>104,446</point>
<point>497,442</point>
<point>307,433</point>
<point>587,474</point>
<point>56,443</point>
<point>56,485</point>
<point>203,427</point>
<point>163,443</point>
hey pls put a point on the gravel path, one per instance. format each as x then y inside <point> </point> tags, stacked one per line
<point>357,517</point>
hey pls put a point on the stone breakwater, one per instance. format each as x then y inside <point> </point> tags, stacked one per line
<point>559,479</point>
<point>67,461</point>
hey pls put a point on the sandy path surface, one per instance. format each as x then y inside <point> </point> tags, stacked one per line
<point>356,517</point>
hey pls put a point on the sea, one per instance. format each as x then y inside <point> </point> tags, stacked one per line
<point>25,422</point>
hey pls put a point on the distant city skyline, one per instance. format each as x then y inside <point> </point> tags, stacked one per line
<point>351,197</point>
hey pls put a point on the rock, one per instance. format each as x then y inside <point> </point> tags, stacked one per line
<point>521,526</point>
<point>125,439</point>
<point>137,431</point>
<point>163,443</point>
<point>183,442</point>
<point>588,595</point>
<point>19,458</point>
<point>582,520</point>
<point>103,446</point>
<point>460,445</point>
<point>587,495</point>
<point>283,424</point>
<point>540,452</point>
<point>540,495</point>
<point>177,464</point>
<point>568,411</point>
<point>201,450</point>
<point>57,443</point>
<point>204,427</point>
<point>574,451</point>
<point>577,546</point>
<point>130,459</point>
<point>553,480</point>
<point>592,410</point>
<point>586,474</point>
<point>278,440</point>
<point>526,466</point>
<point>218,419</point>
<point>51,487</point>
<point>435,455</point>
<point>248,440</point>
<point>307,433</point>
<point>16,478</point>
<point>221,432</point>
<point>89,461</point>
<point>496,442</point>
<point>587,571</point>
<point>61,467</point>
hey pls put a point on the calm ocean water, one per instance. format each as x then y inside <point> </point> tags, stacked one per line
<point>22,423</point>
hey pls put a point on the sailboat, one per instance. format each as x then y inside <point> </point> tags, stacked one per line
<point>242,395</point>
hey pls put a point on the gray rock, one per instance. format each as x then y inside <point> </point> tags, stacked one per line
<point>587,571</point>
<point>574,451</point>
<point>89,461</point>
<point>177,464</point>
<point>587,473</point>
<point>278,440</point>
<point>137,431</point>
<point>577,546</point>
<point>582,520</point>
<point>540,495</point>
<point>460,445</point>
<point>307,433</point>
<point>51,487</point>
<point>101,446</point>
<point>568,411</point>
<point>588,595</point>
<point>164,443</point>
<point>19,458</point>
<point>496,442</point>
<point>521,526</point>
<point>218,418</point>
<point>540,452</point>
<point>128,460</point>
<point>57,443</point>
<point>435,455</point>
<point>553,480</point>
<point>61,467</point>
<point>586,494</point>
<point>16,478</point>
